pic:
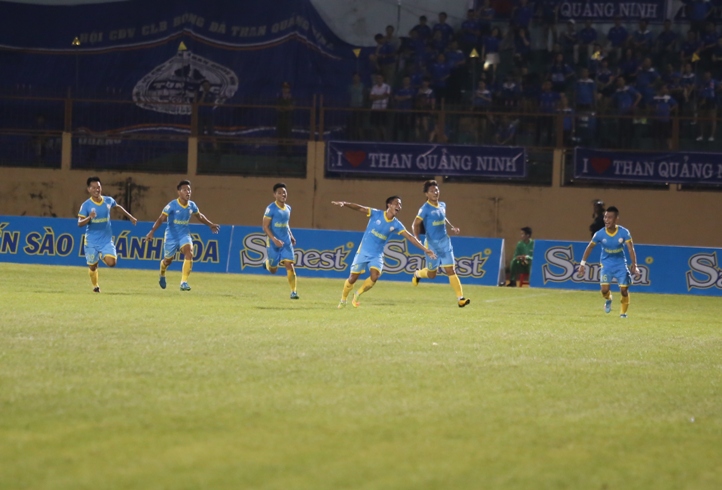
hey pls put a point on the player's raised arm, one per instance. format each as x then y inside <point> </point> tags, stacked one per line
<point>130,216</point>
<point>632,258</point>
<point>157,223</point>
<point>583,262</point>
<point>267,230</point>
<point>416,242</point>
<point>202,218</point>
<point>356,207</point>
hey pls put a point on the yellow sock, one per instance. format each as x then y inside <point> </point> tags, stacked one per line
<point>291,275</point>
<point>422,273</point>
<point>625,303</point>
<point>347,287</point>
<point>187,266</point>
<point>368,284</point>
<point>456,286</point>
<point>163,267</point>
<point>93,277</point>
<point>607,295</point>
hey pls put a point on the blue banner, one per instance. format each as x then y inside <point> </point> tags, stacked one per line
<point>662,269</point>
<point>237,249</point>
<point>607,10</point>
<point>343,157</point>
<point>666,168</point>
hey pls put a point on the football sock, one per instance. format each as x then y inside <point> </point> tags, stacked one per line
<point>93,277</point>
<point>607,295</point>
<point>625,303</point>
<point>456,286</point>
<point>163,267</point>
<point>368,284</point>
<point>347,287</point>
<point>291,275</point>
<point>422,273</point>
<point>187,266</point>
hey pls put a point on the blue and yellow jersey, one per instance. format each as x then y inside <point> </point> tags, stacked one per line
<point>280,216</point>
<point>434,218</point>
<point>612,245</point>
<point>179,217</point>
<point>97,231</point>
<point>378,232</point>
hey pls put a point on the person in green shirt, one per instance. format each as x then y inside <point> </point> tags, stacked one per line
<point>521,263</point>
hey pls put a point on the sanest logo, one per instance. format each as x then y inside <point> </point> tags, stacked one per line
<point>253,254</point>
<point>705,272</point>
<point>560,266</point>
<point>398,260</point>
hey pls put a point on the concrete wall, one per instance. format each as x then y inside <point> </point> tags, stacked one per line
<point>487,210</point>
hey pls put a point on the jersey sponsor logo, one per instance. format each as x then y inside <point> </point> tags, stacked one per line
<point>560,266</point>
<point>438,223</point>
<point>99,220</point>
<point>379,235</point>
<point>280,225</point>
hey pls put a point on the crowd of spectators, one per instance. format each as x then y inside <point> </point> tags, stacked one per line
<point>537,70</point>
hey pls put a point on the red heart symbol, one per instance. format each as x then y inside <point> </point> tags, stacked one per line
<point>355,158</point>
<point>600,165</point>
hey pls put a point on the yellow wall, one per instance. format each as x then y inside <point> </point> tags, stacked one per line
<point>486,210</point>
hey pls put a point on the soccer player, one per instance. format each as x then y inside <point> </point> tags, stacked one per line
<point>94,214</point>
<point>371,251</point>
<point>177,235</point>
<point>614,262</point>
<point>432,216</point>
<point>280,240</point>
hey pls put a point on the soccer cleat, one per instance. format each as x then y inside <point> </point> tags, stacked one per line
<point>294,295</point>
<point>355,302</point>
<point>415,280</point>
<point>608,306</point>
<point>162,282</point>
<point>185,286</point>
<point>623,315</point>
<point>96,289</point>
<point>463,302</point>
<point>341,304</point>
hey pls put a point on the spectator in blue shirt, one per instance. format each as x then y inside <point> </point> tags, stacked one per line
<point>646,78</point>
<point>666,45</point>
<point>626,99</point>
<point>586,91</point>
<point>642,39</point>
<point>569,40</point>
<point>404,101</point>
<point>707,106</point>
<point>617,37</point>
<point>509,94</point>
<point>549,13</point>
<point>697,12</point>
<point>470,33</point>
<point>447,32</point>
<point>548,104</point>
<point>689,52</point>
<point>506,131</point>
<point>567,114</point>
<point>587,39</point>
<point>440,73</point>
<point>663,107</point>
<point>629,65</point>
<point>422,29</point>
<point>560,73</point>
<point>522,47</point>
<point>384,58</point>
<point>708,42</point>
<point>522,14</point>
<point>486,17</point>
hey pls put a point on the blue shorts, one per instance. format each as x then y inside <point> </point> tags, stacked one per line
<point>277,255</point>
<point>94,254</point>
<point>618,272</point>
<point>172,245</point>
<point>361,262</point>
<point>444,258</point>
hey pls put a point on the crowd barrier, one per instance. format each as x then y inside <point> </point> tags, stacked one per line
<point>238,249</point>
<point>663,269</point>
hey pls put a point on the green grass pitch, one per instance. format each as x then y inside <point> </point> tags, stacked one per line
<point>233,385</point>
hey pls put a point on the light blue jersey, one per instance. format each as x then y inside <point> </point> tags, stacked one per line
<point>613,260</point>
<point>279,216</point>
<point>98,232</point>
<point>178,232</point>
<point>371,251</point>
<point>437,238</point>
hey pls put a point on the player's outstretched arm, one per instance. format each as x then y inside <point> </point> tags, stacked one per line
<point>125,212</point>
<point>350,205</point>
<point>202,218</point>
<point>583,262</point>
<point>157,223</point>
<point>632,258</point>
<point>416,242</point>
<point>267,230</point>
<point>453,228</point>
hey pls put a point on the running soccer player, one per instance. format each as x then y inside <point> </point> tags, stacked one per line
<point>432,216</point>
<point>94,214</point>
<point>177,235</point>
<point>371,251</point>
<point>613,261</point>
<point>279,239</point>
